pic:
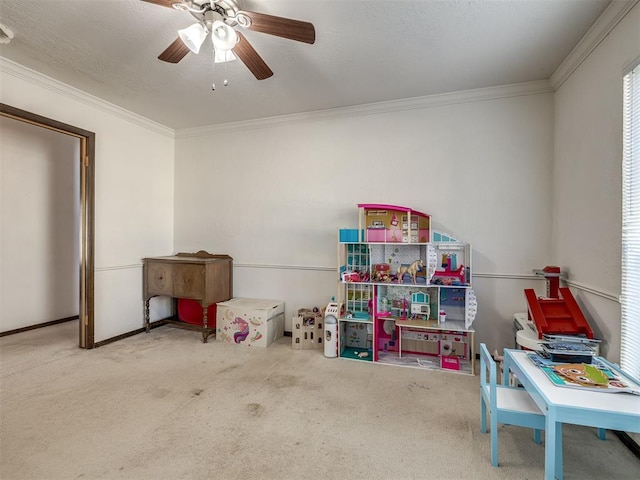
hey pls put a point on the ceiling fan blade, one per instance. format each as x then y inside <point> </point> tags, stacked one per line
<point>254,62</point>
<point>281,27</point>
<point>174,52</point>
<point>162,3</point>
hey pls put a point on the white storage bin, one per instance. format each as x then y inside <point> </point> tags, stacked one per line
<point>250,321</point>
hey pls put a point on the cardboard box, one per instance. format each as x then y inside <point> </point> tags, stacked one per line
<point>307,330</point>
<point>250,321</point>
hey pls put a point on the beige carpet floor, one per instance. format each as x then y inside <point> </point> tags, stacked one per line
<point>164,405</point>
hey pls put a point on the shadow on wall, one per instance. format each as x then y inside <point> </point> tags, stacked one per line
<point>607,332</point>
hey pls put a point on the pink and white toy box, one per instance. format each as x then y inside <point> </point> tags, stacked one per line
<point>250,321</point>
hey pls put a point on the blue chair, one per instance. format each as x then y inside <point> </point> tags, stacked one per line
<point>506,405</point>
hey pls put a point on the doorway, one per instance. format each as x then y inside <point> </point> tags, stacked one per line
<point>86,221</point>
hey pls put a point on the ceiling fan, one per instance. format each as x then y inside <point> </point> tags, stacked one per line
<point>220,17</point>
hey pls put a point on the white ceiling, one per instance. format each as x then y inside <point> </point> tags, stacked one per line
<point>366,51</point>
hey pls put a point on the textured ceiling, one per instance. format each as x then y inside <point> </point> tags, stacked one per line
<point>366,51</point>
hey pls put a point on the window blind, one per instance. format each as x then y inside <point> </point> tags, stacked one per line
<point>630,294</point>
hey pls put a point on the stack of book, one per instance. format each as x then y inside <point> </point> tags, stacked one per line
<point>568,349</point>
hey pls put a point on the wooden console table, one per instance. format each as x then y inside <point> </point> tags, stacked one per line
<point>200,276</point>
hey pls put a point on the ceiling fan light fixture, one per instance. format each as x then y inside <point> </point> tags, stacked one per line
<point>223,36</point>
<point>193,36</point>
<point>183,7</point>
<point>222,56</point>
<point>188,6</point>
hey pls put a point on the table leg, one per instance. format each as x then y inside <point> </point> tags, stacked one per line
<point>553,448</point>
<point>559,474</point>
<point>146,315</point>
<point>506,369</point>
<point>205,325</point>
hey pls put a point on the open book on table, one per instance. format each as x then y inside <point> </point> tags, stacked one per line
<point>596,376</point>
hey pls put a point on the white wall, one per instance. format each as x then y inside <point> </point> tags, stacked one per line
<point>273,194</point>
<point>587,178</point>
<point>39,232</point>
<point>133,189</point>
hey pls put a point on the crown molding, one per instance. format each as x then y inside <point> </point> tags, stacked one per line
<point>464,96</point>
<point>9,67</point>
<point>603,26</point>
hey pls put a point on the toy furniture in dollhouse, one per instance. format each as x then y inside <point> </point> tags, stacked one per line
<point>393,224</point>
<point>506,405</point>
<point>397,285</point>
<point>450,349</point>
<point>420,308</point>
<point>452,263</point>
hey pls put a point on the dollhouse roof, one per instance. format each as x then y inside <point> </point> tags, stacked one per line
<point>396,208</point>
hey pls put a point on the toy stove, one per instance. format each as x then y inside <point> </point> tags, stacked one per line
<point>556,314</point>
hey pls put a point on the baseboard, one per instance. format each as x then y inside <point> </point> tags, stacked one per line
<point>39,325</point>
<point>156,324</point>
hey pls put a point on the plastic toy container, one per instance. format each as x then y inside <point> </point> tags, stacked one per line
<point>190,311</point>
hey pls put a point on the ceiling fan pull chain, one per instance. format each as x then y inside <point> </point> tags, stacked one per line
<point>213,71</point>
<point>226,60</point>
